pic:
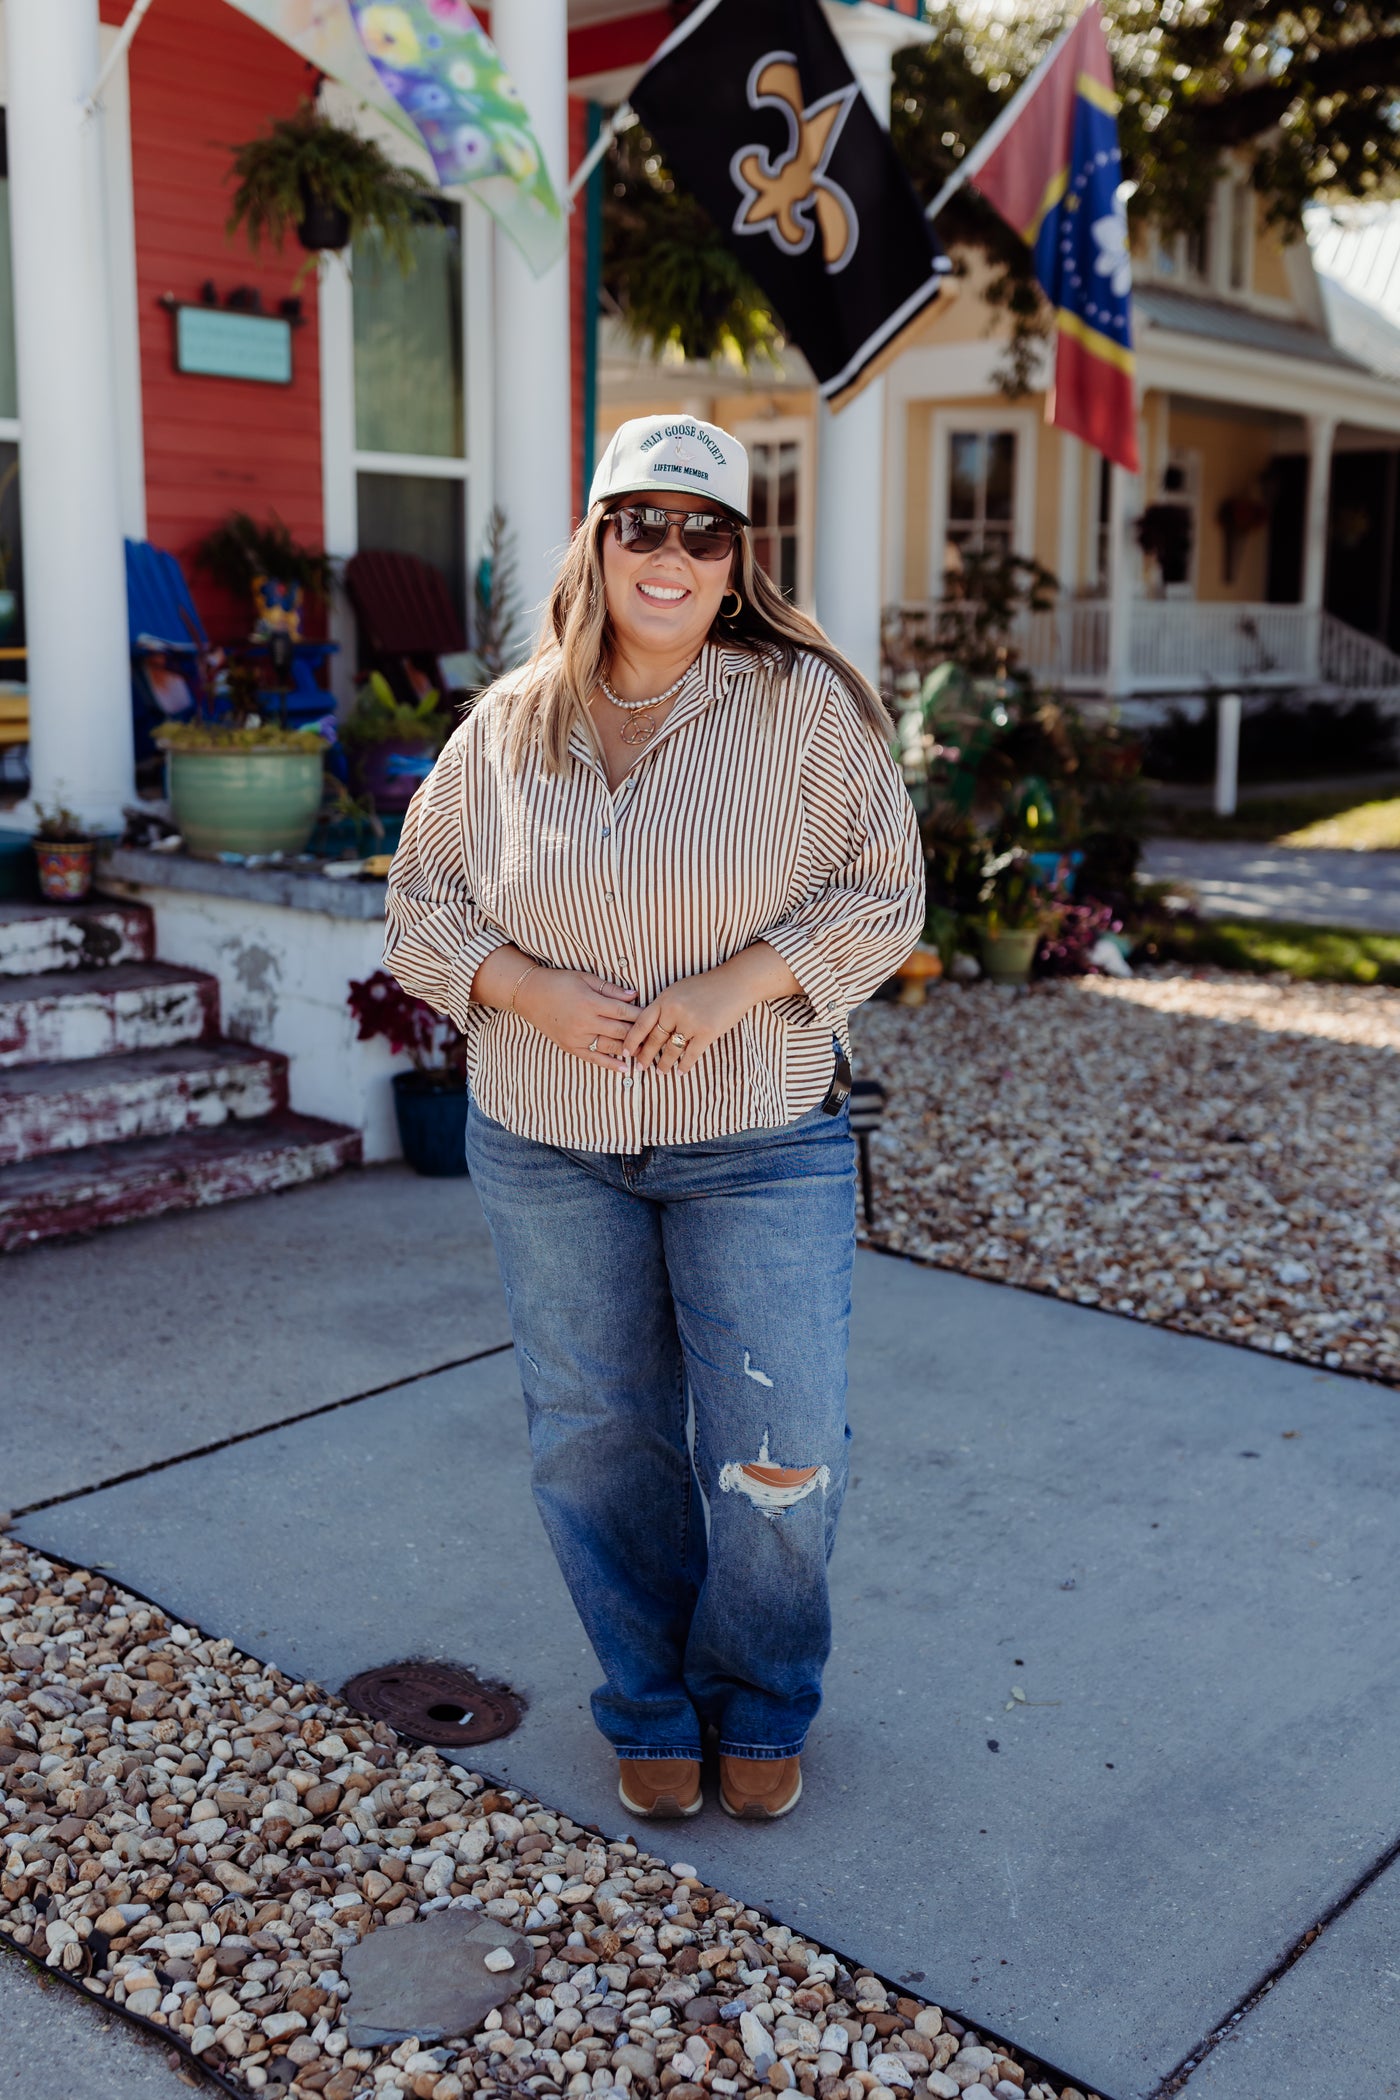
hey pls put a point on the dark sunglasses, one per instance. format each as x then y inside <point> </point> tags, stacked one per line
<point>641,528</point>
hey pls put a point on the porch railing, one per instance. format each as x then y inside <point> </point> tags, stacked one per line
<point>1184,646</point>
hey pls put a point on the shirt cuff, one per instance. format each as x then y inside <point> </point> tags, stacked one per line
<point>804,958</point>
<point>477,946</point>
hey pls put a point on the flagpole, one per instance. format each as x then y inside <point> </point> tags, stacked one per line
<point>115,56</point>
<point>986,146</point>
<point>622,119</point>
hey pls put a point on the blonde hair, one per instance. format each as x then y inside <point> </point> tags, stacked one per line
<point>545,701</point>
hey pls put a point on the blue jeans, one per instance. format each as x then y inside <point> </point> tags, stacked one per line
<point>716,1275</point>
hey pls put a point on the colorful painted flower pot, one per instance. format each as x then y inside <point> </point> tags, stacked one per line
<point>1007,957</point>
<point>432,1119</point>
<point>244,801</point>
<point>65,869</point>
<point>393,774</point>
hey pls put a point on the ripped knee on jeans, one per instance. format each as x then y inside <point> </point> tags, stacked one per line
<point>772,1488</point>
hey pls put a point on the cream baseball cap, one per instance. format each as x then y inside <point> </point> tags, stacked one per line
<point>674,452</point>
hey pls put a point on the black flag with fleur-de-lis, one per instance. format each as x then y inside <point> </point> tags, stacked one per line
<point>756,110</point>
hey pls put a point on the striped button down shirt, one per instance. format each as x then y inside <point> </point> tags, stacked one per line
<point>746,819</point>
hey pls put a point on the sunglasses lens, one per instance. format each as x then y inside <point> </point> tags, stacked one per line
<point>643,531</point>
<point>707,538</point>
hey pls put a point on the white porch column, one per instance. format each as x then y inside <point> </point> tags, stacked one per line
<point>1121,590</point>
<point>534,436</point>
<point>1321,432</point>
<point>70,480</point>
<point>851,444</point>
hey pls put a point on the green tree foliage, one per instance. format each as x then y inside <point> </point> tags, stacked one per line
<point>1308,94</point>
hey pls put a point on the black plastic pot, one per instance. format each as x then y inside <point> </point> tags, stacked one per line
<point>432,1121</point>
<point>322,225</point>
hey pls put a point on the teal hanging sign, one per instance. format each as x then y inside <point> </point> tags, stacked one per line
<point>223,345</point>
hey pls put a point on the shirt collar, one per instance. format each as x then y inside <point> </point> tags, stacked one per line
<point>708,679</point>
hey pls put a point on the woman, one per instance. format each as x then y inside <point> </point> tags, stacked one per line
<point>649,876</point>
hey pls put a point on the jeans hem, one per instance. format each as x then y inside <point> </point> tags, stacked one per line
<point>757,1752</point>
<point>639,1753</point>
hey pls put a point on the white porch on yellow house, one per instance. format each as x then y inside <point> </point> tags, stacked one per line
<point>1250,411</point>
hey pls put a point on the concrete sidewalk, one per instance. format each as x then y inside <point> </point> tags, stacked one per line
<point>1184,1555</point>
<point>1309,885</point>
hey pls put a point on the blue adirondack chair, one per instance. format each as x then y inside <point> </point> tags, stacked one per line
<point>167,641</point>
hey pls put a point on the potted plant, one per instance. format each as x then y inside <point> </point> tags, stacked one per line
<point>430,1099</point>
<point>392,746</point>
<point>309,176</point>
<point>1014,916</point>
<point>241,784</point>
<point>63,847</point>
<point>240,554</point>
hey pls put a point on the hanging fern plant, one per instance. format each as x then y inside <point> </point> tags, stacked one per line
<point>308,176</point>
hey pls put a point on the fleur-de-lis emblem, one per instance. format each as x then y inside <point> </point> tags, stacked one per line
<point>790,196</point>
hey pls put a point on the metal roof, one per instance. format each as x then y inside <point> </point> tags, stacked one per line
<point>1185,314</point>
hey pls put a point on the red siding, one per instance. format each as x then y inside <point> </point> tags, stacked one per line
<point>204,78</point>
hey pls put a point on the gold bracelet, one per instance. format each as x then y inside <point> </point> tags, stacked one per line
<point>510,1003</point>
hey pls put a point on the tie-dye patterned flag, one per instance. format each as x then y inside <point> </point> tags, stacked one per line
<point>430,67</point>
<point>442,69</point>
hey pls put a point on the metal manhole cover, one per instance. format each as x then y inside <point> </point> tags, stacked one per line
<point>436,1703</point>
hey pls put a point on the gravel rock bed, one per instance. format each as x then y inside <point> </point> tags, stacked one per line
<point>190,1835</point>
<point>1216,1153</point>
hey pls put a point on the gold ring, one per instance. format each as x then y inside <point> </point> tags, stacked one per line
<point>678,1039</point>
<point>594,1044</point>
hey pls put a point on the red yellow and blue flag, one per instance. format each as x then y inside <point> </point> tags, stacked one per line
<point>1050,166</point>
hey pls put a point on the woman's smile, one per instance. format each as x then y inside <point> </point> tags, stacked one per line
<point>663,593</point>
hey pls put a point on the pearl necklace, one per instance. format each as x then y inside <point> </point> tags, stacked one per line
<point>643,729</point>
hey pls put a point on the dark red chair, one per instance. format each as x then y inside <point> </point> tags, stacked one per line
<point>406,618</point>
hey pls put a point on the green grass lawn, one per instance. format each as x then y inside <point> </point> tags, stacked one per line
<point>1322,817</point>
<point>1319,954</point>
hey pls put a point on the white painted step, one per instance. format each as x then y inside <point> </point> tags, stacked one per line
<point>37,937</point>
<point>104,1185</point>
<point>67,1014</point>
<point>142,1093</point>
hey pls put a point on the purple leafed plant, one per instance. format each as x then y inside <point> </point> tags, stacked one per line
<point>434,1044</point>
<point>1066,951</point>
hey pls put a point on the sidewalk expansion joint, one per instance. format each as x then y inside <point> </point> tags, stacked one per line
<point>248,1436</point>
<point>1176,2080</point>
<point>195,1840</point>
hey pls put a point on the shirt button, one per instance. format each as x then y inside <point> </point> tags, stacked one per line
<point>607,896</point>
<point>607,831</point>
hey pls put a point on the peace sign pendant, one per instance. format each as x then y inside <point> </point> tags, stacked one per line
<point>638,729</point>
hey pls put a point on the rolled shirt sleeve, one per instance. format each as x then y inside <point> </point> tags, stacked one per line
<point>436,938</point>
<point>865,910</point>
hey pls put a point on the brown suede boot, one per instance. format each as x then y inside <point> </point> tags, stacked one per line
<point>759,1787</point>
<point>660,1786</point>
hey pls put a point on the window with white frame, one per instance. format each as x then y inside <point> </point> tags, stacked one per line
<point>410,452</point>
<point>775,505</point>
<point>980,509</point>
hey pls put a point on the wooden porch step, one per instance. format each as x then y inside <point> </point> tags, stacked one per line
<point>39,937</point>
<point>50,1108</point>
<point>73,1192</point>
<point>59,1015</point>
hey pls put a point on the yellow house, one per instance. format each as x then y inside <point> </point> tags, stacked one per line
<point>1257,546</point>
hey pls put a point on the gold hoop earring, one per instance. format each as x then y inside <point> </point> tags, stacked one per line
<point>724,610</point>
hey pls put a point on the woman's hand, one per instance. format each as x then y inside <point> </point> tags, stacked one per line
<point>706,1007</point>
<point>584,1015</point>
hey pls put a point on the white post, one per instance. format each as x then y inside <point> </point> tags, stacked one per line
<point>1227,754</point>
<point>851,444</point>
<point>70,480</point>
<point>534,422</point>
<point>1121,594</point>
<point>1321,432</point>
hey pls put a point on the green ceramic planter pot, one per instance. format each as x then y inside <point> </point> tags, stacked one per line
<point>1007,957</point>
<point>244,801</point>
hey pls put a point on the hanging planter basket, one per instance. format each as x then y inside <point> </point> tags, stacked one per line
<point>323,225</point>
